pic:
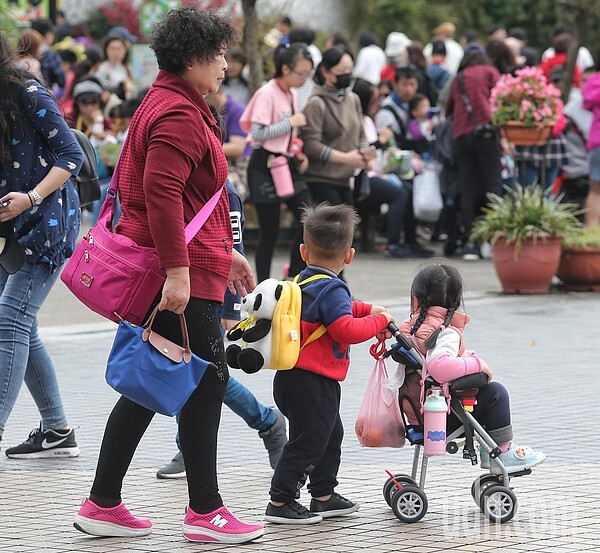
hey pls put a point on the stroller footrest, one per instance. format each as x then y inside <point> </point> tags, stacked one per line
<point>415,436</point>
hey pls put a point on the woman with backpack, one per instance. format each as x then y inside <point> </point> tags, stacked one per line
<point>39,224</point>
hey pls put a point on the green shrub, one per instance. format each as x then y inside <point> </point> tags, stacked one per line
<point>524,213</point>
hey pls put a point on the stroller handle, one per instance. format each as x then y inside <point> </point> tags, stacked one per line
<point>401,338</point>
<point>412,355</point>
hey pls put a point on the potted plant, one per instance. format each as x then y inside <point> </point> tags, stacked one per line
<point>525,106</point>
<point>579,267</point>
<point>525,227</point>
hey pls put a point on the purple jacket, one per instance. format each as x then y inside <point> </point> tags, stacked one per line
<point>591,102</point>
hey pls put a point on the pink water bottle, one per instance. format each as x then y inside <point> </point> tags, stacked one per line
<point>435,412</point>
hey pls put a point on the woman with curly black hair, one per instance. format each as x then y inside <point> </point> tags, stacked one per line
<point>171,165</point>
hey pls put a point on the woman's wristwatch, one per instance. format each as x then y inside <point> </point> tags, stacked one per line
<point>36,199</point>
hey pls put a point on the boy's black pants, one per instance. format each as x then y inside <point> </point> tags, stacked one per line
<point>311,403</point>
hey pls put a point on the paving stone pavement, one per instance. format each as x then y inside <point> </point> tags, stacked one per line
<point>543,348</point>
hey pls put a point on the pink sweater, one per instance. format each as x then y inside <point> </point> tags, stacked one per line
<point>448,360</point>
<point>591,102</point>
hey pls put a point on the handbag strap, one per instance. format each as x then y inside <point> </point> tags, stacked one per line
<point>460,81</point>
<point>191,228</point>
<point>182,323</point>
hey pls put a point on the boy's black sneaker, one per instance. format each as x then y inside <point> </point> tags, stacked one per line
<point>336,506</point>
<point>291,513</point>
<point>44,444</point>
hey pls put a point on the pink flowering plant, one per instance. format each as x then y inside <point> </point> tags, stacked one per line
<point>526,97</point>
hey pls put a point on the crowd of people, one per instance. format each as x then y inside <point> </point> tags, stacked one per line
<point>324,122</point>
<point>310,115</point>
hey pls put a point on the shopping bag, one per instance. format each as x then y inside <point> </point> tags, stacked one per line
<point>379,422</point>
<point>427,197</point>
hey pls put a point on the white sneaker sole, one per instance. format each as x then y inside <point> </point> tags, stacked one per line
<point>293,521</point>
<point>107,529</point>
<point>339,512</point>
<point>170,476</point>
<point>516,468</point>
<point>61,452</point>
<point>206,535</point>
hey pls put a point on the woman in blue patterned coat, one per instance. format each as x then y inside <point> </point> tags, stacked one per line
<point>38,202</point>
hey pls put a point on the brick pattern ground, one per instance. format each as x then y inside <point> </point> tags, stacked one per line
<point>544,348</point>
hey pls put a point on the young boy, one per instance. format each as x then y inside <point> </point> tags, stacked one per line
<point>309,394</point>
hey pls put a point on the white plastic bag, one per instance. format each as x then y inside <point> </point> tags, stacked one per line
<point>427,197</point>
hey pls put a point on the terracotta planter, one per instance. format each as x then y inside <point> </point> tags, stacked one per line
<point>520,135</point>
<point>530,270</point>
<point>580,269</point>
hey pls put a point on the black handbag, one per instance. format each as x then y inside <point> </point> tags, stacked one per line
<point>362,187</point>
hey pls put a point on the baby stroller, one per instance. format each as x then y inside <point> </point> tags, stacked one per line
<point>405,494</point>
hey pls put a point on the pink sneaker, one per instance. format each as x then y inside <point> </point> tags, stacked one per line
<point>110,522</point>
<point>219,526</point>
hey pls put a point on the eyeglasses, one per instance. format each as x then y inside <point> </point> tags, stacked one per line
<point>302,75</point>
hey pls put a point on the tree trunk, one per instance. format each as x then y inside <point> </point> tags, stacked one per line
<point>252,41</point>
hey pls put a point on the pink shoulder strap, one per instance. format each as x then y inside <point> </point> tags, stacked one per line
<point>192,227</point>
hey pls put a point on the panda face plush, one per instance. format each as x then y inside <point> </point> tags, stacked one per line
<point>262,301</point>
<point>254,351</point>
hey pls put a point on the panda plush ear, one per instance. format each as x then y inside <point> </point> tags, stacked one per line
<point>278,291</point>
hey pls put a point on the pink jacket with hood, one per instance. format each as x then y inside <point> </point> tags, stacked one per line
<point>448,359</point>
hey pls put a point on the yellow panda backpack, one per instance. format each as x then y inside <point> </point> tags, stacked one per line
<point>285,343</point>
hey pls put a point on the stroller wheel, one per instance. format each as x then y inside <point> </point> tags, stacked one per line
<point>499,504</point>
<point>409,504</point>
<point>480,484</point>
<point>389,487</point>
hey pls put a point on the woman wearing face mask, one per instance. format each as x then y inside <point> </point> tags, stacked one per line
<point>334,139</point>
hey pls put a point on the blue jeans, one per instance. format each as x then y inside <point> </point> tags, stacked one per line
<point>244,403</point>
<point>533,174</point>
<point>23,356</point>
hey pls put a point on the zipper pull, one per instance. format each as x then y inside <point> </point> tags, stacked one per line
<point>91,240</point>
<point>87,256</point>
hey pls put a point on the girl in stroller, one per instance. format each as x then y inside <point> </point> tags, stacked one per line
<point>436,328</point>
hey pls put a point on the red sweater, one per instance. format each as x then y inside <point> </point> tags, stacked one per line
<point>329,302</point>
<point>171,165</point>
<point>479,81</point>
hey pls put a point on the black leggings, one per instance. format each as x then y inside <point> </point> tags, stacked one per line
<point>268,219</point>
<point>198,423</point>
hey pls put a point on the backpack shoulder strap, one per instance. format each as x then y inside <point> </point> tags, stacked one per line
<point>322,329</point>
<point>398,119</point>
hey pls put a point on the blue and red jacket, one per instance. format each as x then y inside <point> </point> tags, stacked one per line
<point>329,302</point>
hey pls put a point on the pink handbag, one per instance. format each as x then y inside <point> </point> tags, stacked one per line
<point>114,276</point>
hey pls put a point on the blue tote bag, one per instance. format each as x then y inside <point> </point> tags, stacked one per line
<point>151,370</point>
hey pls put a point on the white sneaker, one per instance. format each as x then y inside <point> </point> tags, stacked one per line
<point>516,458</point>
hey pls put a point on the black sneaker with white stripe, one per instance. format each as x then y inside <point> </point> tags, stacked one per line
<point>45,444</point>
